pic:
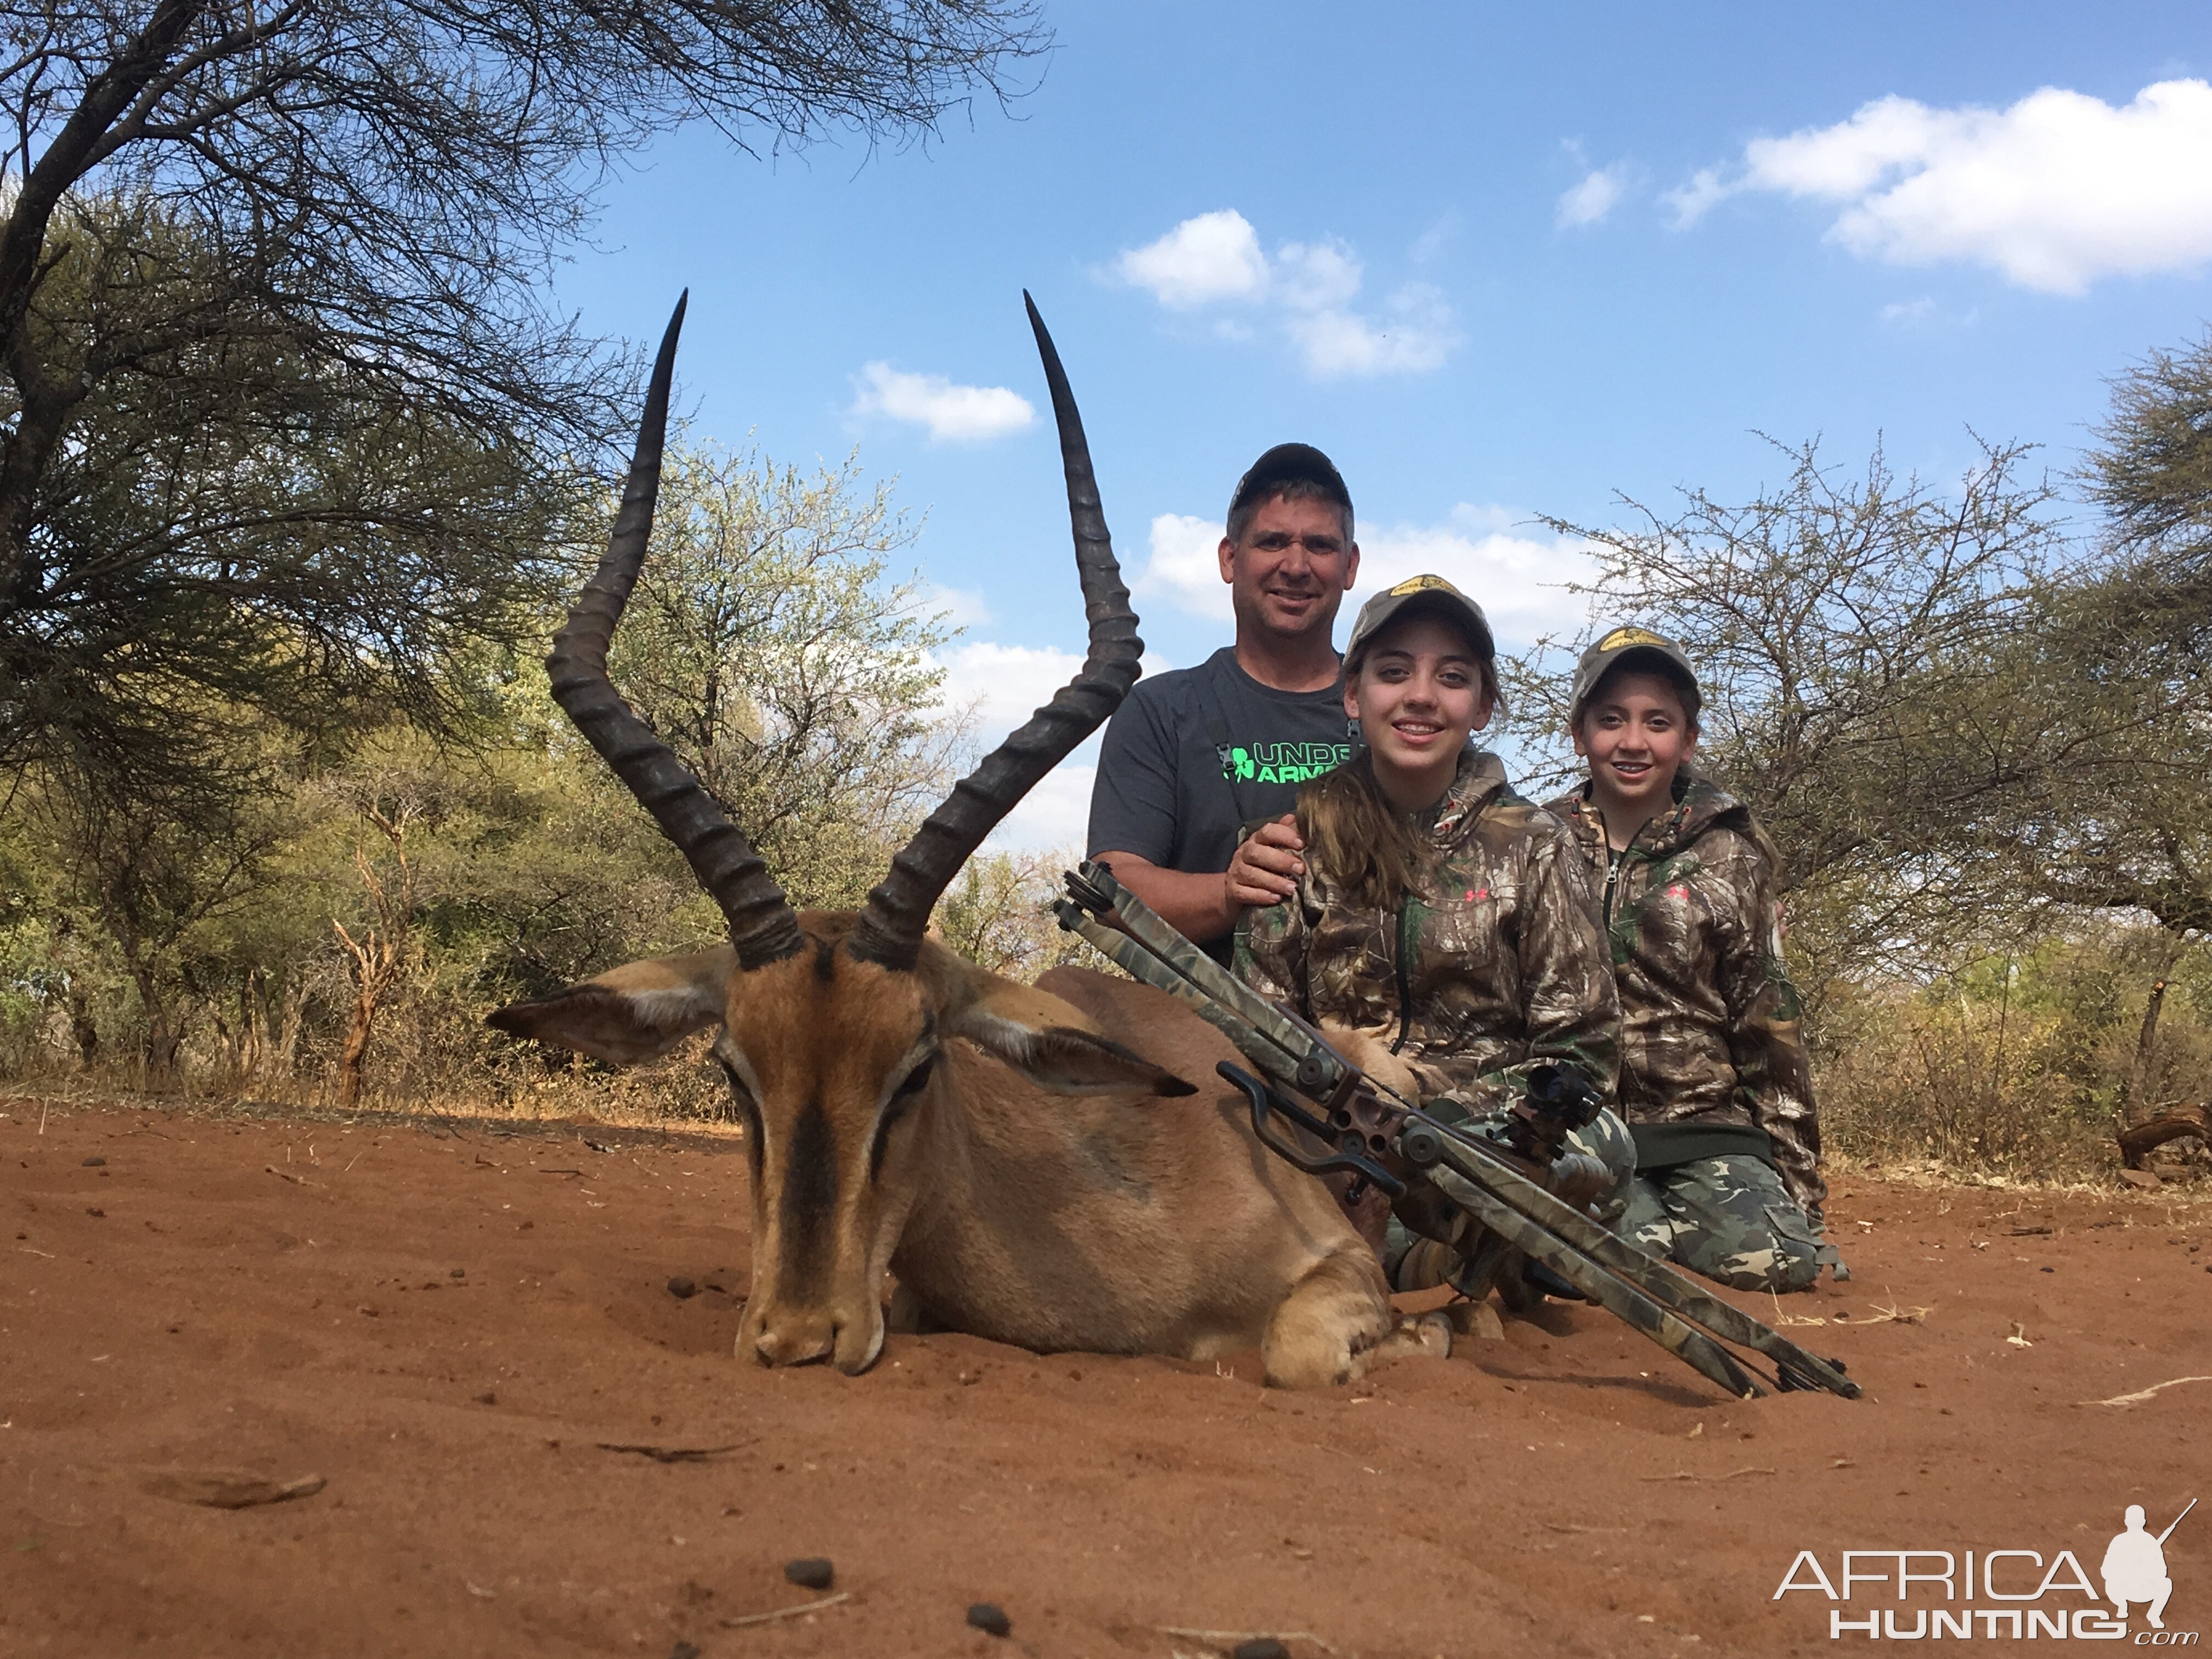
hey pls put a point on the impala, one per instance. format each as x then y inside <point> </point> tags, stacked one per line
<point>1028,1162</point>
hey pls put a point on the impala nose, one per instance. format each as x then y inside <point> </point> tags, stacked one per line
<point>794,1342</point>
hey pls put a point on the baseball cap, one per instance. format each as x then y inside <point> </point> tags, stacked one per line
<point>1428,592</point>
<point>1638,648</point>
<point>1289,464</point>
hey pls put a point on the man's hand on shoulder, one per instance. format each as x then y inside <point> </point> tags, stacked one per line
<point>1266,867</point>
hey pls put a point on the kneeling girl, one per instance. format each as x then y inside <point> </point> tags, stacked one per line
<point>1439,915</point>
<point>1714,1081</point>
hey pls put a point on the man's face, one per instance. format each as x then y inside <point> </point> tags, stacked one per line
<point>1290,571</point>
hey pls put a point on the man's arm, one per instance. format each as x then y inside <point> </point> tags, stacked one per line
<point>1204,905</point>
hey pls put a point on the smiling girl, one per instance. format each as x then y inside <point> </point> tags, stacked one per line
<point>1439,917</point>
<point>1714,1081</point>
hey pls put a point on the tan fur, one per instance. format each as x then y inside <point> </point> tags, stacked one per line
<point>1040,1190</point>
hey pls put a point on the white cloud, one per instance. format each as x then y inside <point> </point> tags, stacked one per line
<point>957,607</point>
<point>1056,815</point>
<point>1215,256</point>
<point>1517,578</point>
<point>1317,275</point>
<point>959,413</point>
<point>1693,201</point>
<point>1185,568</point>
<point>1002,685</point>
<point>1909,311</point>
<point>1414,336</point>
<point>2055,191</point>
<point>1309,287</point>
<point>1597,193</point>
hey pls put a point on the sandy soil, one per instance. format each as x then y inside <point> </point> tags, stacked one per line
<point>451,1329</point>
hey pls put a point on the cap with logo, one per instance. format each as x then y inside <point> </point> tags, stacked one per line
<point>1288,464</point>
<point>1636,648</point>
<point>1425,592</point>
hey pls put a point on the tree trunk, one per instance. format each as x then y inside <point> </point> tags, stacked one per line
<point>2146,1040</point>
<point>356,1045</point>
<point>83,1032</point>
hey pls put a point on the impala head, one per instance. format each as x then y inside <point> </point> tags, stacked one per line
<point>833,1028</point>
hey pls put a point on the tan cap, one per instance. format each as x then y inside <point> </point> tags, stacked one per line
<point>1432,593</point>
<point>1643,649</point>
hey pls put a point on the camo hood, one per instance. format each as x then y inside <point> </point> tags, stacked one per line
<point>1494,963</point>
<point>1710,1021</point>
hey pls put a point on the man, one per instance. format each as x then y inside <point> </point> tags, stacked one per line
<point>1200,768</point>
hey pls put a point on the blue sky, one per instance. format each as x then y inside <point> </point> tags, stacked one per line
<point>1497,261</point>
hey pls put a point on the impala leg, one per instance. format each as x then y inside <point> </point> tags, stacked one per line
<point>1337,1321</point>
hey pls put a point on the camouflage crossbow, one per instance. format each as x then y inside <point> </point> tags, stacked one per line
<point>1380,1138</point>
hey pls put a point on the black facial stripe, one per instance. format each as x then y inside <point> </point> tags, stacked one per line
<point>810,1195</point>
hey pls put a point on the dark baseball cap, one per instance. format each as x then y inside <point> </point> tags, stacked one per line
<point>1634,647</point>
<point>1426,593</point>
<point>1288,464</point>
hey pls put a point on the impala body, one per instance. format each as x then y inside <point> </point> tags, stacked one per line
<point>1029,1162</point>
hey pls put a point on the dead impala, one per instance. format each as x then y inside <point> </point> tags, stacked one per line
<point>1000,1149</point>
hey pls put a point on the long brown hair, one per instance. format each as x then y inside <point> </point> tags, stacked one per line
<point>1360,841</point>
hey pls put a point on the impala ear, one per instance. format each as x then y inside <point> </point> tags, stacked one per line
<point>636,1013</point>
<point>1045,1039</point>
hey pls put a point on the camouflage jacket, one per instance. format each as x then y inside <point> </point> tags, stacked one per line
<point>1709,1018</point>
<point>1497,962</point>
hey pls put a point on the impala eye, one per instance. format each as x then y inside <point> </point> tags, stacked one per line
<point>916,1080</point>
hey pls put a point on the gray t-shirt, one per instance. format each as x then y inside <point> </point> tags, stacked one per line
<point>1196,754</point>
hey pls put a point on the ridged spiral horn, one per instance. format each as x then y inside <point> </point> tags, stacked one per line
<point>890,928</point>
<point>762,926</point>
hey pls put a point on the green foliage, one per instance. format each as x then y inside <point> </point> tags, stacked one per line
<point>2019,1064</point>
<point>767,646</point>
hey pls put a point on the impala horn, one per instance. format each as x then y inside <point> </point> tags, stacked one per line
<point>889,929</point>
<point>762,926</point>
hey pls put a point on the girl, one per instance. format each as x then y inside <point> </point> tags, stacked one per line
<point>1714,1081</point>
<point>1441,925</point>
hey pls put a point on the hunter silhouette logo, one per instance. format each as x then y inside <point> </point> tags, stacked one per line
<point>2134,1568</point>
<point>2016,1594</point>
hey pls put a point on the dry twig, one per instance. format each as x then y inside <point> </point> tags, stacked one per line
<point>787,1612</point>
<point>2141,1395</point>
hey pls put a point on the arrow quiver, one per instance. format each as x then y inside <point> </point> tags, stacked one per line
<point>1354,1123</point>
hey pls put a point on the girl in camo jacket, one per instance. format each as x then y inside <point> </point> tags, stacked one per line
<point>1443,926</point>
<point>1713,1080</point>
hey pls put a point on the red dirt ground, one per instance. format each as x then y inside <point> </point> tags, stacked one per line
<point>284,1299</point>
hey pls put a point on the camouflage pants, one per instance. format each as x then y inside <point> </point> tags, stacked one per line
<point>1729,1218</point>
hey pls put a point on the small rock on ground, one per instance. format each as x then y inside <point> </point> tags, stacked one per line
<point>810,1571</point>
<point>991,1620</point>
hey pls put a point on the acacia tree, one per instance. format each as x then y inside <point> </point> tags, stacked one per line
<point>314,223</point>
<point>2128,657</point>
